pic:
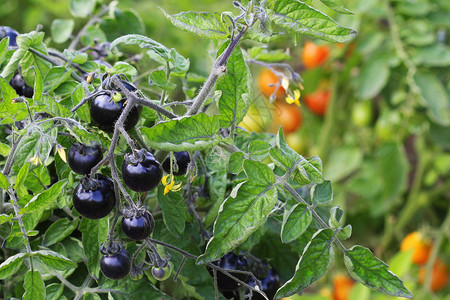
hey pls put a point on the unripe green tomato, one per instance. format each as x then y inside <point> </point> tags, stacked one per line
<point>161,274</point>
<point>362,113</point>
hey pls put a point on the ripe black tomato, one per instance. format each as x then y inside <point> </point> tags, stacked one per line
<point>21,87</point>
<point>138,227</point>
<point>94,198</point>
<point>116,265</point>
<point>182,160</point>
<point>83,158</point>
<point>8,31</point>
<point>269,284</point>
<point>105,112</point>
<point>142,173</point>
<point>230,261</point>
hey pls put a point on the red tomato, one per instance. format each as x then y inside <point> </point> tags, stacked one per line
<point>317,102</point>
<point>314,55</point>
<point>287,116</point>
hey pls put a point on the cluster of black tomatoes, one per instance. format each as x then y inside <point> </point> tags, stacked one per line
<point>95,197</point>
<point>268,278</point>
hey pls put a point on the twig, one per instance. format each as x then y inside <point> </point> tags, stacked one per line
<point>92,21</point>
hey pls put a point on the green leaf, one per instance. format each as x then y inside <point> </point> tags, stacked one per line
<point>372,272</point>
<point>436,55</point>
<point>342,162</point>
<point>83,112</point>
<point>54,260</point>
<point>143,42</point>
<point>159,79</point>
<point>38,86</point>
<point>22,175</point>
<point>217,184</point>
<point>4,182</point>
<point>316,260</point>
<point>34,286</point>
<point>236,162</point>
<point>295,222</point>
<point>61,30</point>
<point>300,18</point>
<point>55,77</point>
<point>11,67</point>
<point>203,24</point>
<point>336,5</point>
<point>262,54</point>
<point>129,21</point>
<point>174,211</point>
<point>236,90</point>
<point>4,149</point>
<point>3,49</point>
<point>373,77</point>
<point>121,67</point>
<point>58,231</point>
<point>11,265</point>
<point>82,8</point>
<point>192,133</point>
<point>94,232</point>
<point>44,199</point>
<point>242,215</point>
<point>54,291</point>
<point>76,57</point>
<point>434,97</point>
<point>322,193</point>
<point>5,218</point>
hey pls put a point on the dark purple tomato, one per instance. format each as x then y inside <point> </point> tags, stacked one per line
<point>105,112</point>
<point>230,261</point>
<point>8,31</point>
<point>83,158</point>
<point>138,227</point>
<point>182,160</point>
<point>20,86</point>
<point>269,284</point>
<point>116,265</point>
<point>142,174</point>
<point>94,198</point>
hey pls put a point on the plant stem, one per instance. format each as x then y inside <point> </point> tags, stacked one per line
<point>330,117</point>
<point>92,21</point>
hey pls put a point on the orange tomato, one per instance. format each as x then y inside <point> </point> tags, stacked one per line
<point>267,81</point>
<point>342,287</point>
<point>421,248</point>
<point>317,102</point>
<point>314,55</point>
<point>439,275</point>
<point>287,116</point>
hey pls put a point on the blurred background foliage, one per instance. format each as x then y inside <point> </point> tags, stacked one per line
<point>376,110</point>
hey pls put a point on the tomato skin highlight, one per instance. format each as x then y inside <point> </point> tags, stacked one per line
<point>314,55</point>
<point>318,101</point>
<point>267,81</point>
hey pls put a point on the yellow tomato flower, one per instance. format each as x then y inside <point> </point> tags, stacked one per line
<point>295,99</point>
<point>36,160</point>
<point>61,152</point>
<point>169,184</point>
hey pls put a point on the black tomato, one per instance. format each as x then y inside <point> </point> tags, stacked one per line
<point>116,265</point>
<point>141,173</point>
<point>138,227</point>
<point>230,261</point>
<point>83,158</point>
<point>94,198</point>
<point>8,31</point>
<point>269,284</point>
<point>182,160</point>
<point>105,112</point>
<point>21,87</point>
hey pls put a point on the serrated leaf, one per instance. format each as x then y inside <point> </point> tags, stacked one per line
<point>236,162</point>
<point>159,79</point>
<point>316,260</point>
<point>345,232</point>
<point>242,215</point>
<point>94,232</point>
<point>58,231</point>
<point>82,8</point>
<point>372,272</point>
<point>192,133</point>
<point>295,222</point>
<point>54,291</point>
<point>143,42</point>
<point>203,24</point>
<point>336,5</point>
<point>55,77</point>
<point>300,18</point>
<point>54,260</point>
<point>44,199</point>
<point>4,183</point>
<point>121,67</point>
<point>236,90</point>
<point>61,30</point>
<point>434,97</point>
<point>322,193</point>
<point>76,57</point>
<point>174,211</point>
<point>11,265</point>
<point>34,286</point>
